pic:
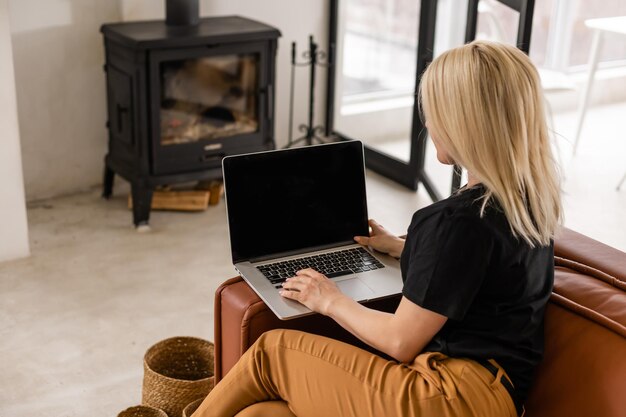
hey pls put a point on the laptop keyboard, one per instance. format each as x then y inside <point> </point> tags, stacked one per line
<point>332,264</point>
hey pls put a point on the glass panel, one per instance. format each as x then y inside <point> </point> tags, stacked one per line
<point>613,48</point>
<point>377,58</point>
<point>208,98</point>
<point>560,38</point>
<point>542,32</point>
<point>497,22</point>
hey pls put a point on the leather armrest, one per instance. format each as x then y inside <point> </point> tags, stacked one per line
<point>241,317</point>
<point>587,251</point>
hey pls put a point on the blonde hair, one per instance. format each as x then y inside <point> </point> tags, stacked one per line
<point>484,103</point>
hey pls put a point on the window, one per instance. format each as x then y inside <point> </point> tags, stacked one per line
<point>560,40</point>
<point>380,43</point>
<point>377,61</point>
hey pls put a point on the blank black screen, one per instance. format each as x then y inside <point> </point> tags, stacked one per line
<point>295,199</point>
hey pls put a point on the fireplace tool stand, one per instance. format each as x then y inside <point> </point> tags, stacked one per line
<point>312,59</point>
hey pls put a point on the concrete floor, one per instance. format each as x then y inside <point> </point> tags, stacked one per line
<point>77,316</point>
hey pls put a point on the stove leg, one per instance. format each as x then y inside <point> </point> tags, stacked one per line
<point>107,182</point>
<point>142,199</point>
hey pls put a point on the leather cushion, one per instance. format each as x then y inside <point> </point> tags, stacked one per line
<point>584,369</point>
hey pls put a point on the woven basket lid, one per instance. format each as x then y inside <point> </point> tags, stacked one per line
<point>142,411</point>
<point>192,407</point>
<point>177,371</point>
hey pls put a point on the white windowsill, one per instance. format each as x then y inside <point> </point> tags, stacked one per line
<point>553,82</point>
<point>374,105</point>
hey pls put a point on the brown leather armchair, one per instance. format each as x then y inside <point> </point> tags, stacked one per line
<point>583,372</point>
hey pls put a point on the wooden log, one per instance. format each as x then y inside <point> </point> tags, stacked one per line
<point>192,200</point>
<point>215,187</point>
<point>216,190</point>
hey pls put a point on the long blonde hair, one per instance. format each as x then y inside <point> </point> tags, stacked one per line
<point>484,102</point>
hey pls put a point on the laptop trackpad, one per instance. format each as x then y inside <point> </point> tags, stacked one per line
<point>355,289</point>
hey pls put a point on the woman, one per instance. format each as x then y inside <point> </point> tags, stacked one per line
<point>477,270</point>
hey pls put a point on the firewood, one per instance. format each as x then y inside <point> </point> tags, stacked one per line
<point>216,190</point>
<point>191,200</point>
<point>215,187</point>
<point>204,185</point>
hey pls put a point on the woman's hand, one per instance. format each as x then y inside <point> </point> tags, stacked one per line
<point>382,240</point>
<point>312,289</point>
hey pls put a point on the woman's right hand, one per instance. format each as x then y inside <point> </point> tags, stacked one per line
<point>382,240</point>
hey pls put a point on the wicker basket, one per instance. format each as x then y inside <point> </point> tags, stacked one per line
<point>142,411</point>
<point>177,371</point>
<point>189,410</point>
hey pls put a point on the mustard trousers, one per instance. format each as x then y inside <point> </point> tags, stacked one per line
<point>288,373</point>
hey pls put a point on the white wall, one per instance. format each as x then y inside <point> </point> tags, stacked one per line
<point>58,54</point>
<point>13,227</point>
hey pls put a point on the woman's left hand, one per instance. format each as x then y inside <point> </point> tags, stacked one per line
<point>312,289</point>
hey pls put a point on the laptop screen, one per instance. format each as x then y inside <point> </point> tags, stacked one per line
<point>295,199</point>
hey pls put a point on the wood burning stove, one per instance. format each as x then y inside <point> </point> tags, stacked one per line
<point>181,97</point>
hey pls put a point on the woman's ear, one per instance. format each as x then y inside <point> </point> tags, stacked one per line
<point>442,153</point>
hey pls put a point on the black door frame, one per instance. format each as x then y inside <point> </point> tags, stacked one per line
<point>412,174</point>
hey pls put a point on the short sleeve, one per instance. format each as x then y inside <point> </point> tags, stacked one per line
<point>448,260</point>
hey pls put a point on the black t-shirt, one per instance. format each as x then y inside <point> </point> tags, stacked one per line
<point>492,286</point>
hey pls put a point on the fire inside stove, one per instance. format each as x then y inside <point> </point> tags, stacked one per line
<point>208,98</point>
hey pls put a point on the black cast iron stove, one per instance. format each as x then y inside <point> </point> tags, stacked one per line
<point>182,95</point>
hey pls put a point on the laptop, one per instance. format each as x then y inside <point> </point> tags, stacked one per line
<point>297,208</point>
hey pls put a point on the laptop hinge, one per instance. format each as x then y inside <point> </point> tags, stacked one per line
<point>301,251</point>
